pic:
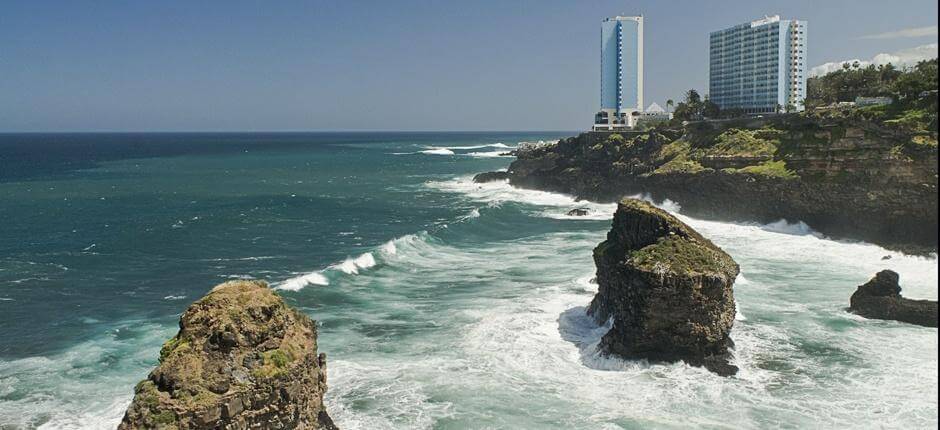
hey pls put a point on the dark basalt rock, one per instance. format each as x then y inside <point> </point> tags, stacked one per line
<point>490,177</point>
<point>578,212</point>
<point>667,289</point>
<point>242,359</point>
<point>880,298</point>
<point>846,178</point>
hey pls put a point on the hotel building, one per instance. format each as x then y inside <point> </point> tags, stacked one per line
<point>759,67</point>
<point>621,72</point>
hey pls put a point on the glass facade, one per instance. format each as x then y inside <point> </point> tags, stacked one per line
<point>622,64</point>
<point>759,67</point>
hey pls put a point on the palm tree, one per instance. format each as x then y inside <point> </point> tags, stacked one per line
<point>669,105</point>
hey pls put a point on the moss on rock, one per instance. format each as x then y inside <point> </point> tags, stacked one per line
<point>239,342</point>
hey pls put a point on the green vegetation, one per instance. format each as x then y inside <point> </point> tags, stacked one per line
<point>175,343</point>
<point>672,150</point>
<point>911,120</point>
<point>274,364</point>
<point>773,169</point>
<point>675,158</point>
<point>913,91</point>
<point>164,418</point>
<point>680,255</point>
<point>694,108</point>
<point>680,164</point>
<point>277,357</point>
<point>744,143</point>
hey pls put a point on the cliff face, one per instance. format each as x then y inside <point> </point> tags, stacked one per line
<point>880,298</point>
<point>667,289</point>
<point>242,359</point>
<point>845,177</point>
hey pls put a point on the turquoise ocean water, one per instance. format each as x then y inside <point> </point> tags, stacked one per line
<point>443,304</point>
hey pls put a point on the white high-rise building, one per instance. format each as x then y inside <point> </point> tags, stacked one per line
<point>759,66</point>
<point>621,72</point>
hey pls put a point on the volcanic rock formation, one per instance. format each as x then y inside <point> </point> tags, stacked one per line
<point>880,298</point>
<point>242,359</point>
<point>490,177</point>
<point>846,177</point>
<point>667,290</point>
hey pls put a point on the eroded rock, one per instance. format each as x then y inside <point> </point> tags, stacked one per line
<point>242,359</point>
<point>667,290</point>
<point>880,298</point>
<point>490,177</point>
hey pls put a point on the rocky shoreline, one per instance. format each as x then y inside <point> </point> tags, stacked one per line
<point>845,177</point>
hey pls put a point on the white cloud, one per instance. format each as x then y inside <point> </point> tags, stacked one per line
<point>905,32</point>
<point>901,58</point>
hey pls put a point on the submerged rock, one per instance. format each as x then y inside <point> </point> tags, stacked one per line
<point>579,212</point>
<point>490,177</point>
<point>667,290</point>
<point>880,298</point>
<point>242,359</point>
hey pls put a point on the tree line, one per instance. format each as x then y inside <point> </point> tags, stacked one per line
<point>906,87</point>
<point>854,80</point>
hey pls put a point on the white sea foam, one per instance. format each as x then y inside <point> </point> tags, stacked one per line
<point>491,145</point>
<point>437,151</point>
<point>489,154</point>
<point>298,282</point>
<point>350,266</point>
<point>798,228</point>
<point>57,392</point>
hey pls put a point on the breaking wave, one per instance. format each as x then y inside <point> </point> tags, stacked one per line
<point>350,266</point>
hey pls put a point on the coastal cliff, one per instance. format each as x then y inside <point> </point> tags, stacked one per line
<point>242,359</point>
<point>667,290</point>
<point>844,175</point>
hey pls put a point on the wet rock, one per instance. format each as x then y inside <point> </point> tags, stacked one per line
<point>880,298</point>
<point>490,177</point>
<point>579,212</point>
<point>667,290</point>
<point>242,359</point>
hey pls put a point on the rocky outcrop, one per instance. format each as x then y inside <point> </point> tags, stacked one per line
<point>579,212</point>
<point>242,359</point>
<point>667,290</point>
<point>880,298</point>
<point>490,177</point>
<point>846,178</point>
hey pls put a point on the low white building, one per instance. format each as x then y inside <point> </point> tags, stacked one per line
<point>654,114</point>
<point>873,101</point>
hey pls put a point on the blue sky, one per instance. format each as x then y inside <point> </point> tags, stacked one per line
<point>389,65</point>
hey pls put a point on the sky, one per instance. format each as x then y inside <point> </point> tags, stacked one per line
<point>383,65</point>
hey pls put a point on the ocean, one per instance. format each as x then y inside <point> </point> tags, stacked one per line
<point>442,304</point>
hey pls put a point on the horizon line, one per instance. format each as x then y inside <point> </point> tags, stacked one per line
<point>280,131</point>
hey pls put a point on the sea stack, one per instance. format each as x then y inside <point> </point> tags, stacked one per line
<point>667,290</point>
<point>242,359</point>
<point>880,298</point>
